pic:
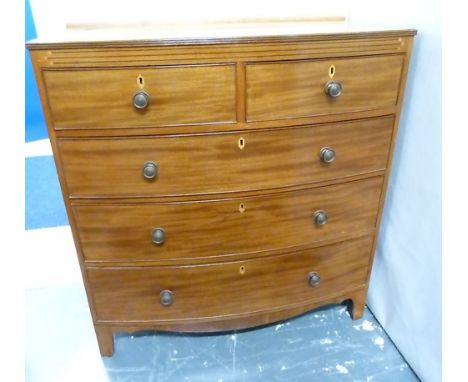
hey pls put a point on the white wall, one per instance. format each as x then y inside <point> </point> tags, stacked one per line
<point>405,289</point>
<point>55,17</point>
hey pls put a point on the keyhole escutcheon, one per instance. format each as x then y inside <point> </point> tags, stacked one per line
<point>141,81</point>
<point>241,143</point>
<point>241,207</point>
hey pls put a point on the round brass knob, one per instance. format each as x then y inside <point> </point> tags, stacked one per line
<point>320,217</point>
<point>166,297</point>
<point>158,235</point>
<point>141,100</point>
<point>150,170</point>
<point>314,278</point>
<point>333,89</point>
<point>327,155</point>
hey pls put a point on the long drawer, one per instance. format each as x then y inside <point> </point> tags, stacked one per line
<point>224,162</point>
<point>201,229</point>
<point>292,89</point>
<point>225,289</point>
<point>104,98</point>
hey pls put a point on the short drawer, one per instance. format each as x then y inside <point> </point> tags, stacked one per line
<point>282,90</point>
<point>202,229</point>
<point>228,289</point>
<point>104,98</point>
<point>224,162</point>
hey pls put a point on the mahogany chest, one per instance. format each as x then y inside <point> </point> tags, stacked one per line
<point>217,184</point>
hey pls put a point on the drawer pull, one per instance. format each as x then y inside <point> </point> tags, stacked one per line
<point>314,279</point>
<point>327,155</point>
<point>333,89</point>
<point>141,100</point>
<point>158,235</point>
<point>320,217</point>
<point>150,170</point>
<point>166,297</point>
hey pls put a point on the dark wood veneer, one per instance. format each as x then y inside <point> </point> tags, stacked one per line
<point>218,228</point>
<point>214,163</point>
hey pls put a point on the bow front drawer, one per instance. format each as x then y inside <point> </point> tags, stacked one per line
<point>140,97</point>
<point>282,90</point>
<point>229,289</point>
<point>238,226</point>
<point>224,162</point>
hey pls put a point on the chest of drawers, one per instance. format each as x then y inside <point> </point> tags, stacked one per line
<point>222,184</point>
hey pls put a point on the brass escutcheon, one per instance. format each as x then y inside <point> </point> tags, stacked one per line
<point>141,81</point>
<point>241,207</point>
<point>332,71</point>
<point>241,143</point>
<point>242,269</point>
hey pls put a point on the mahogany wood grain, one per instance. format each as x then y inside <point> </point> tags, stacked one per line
<point>409,44</point>
<point>259,48</point>
<point>282,90</point>
<point>218,228</point>
<point>228,289</point>
<point>341,37</point>
<point>106,58</point>
<point>243,321</point>
<point>214,163</point>
<point>105,337</point>
<point>358,303</point>
<point>175,261</point>
<point>227,195</point>
<point>155,131</point>
<point>179,94</point>
<point>36,63</point>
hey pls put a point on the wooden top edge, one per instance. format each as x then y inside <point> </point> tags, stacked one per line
<point>37,44</point>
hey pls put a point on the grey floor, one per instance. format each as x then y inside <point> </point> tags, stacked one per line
<point>323,345</point>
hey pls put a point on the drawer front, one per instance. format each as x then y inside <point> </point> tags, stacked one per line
<point>226,227</point>
<point>210,164</point>
<point>284,90</point>
<point>178,95</point>
<point>224,289</point>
